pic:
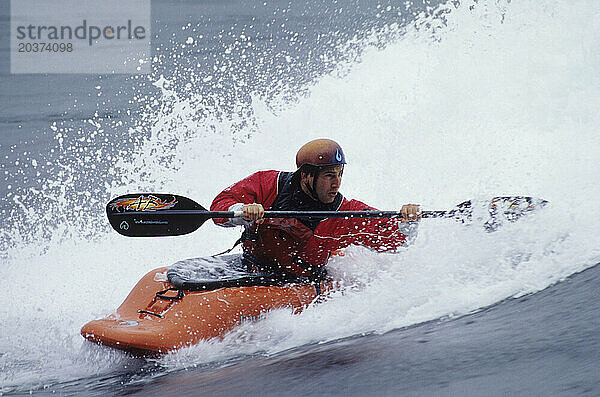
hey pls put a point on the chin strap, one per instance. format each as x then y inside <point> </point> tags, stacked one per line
<point>312,189</point>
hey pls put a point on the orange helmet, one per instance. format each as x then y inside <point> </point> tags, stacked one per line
<point>320,153</point>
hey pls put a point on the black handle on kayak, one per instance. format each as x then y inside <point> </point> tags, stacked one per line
<point>159,214</point>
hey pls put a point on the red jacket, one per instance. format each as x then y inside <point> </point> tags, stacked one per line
<point>330,234</point>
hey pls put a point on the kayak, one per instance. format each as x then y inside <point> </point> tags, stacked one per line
<point>204,298</point>
<point>198,299</point>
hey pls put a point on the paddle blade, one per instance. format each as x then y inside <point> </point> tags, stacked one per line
<point>510,209</point>
<point>154,214</point>
<point>500,209</point>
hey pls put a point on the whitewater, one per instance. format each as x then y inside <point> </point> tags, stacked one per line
<point>484,99</point>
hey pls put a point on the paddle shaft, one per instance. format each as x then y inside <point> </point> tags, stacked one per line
<point>291,214</point>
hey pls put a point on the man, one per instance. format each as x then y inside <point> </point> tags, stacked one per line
<point>302,246</point>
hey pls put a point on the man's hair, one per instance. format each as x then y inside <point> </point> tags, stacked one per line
<point>309,169</point>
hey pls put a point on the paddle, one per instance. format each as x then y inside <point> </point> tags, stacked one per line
<point>158,214</point>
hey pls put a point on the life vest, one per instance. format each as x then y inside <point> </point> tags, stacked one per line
<point>288,244</point>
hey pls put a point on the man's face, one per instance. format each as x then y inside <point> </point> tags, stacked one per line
<point>328,183</point>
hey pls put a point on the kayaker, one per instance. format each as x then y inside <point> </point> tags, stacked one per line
<point>302,246</point>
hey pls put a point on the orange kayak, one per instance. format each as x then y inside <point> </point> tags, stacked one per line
<point>168,310</point>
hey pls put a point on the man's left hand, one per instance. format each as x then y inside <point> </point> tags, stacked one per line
<point>410,212</point>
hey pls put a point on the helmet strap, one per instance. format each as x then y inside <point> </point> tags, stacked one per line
<point>311,192</point>
<point>312,188</point>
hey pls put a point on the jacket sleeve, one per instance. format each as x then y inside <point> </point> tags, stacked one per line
<point>260,187</point>
<point>380,234</point>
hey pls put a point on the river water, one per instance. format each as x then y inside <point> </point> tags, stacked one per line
<point>433,104</point>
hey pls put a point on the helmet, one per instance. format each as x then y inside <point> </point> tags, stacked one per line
<point>320,153</point>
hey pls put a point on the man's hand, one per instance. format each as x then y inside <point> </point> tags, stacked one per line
<point>254,212</point>
<point>410,212</point>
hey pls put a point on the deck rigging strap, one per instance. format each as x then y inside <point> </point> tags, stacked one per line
<point>161,294</point>
<point>238,242</point>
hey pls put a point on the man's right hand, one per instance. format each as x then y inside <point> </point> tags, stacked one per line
<point>253,212</point>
